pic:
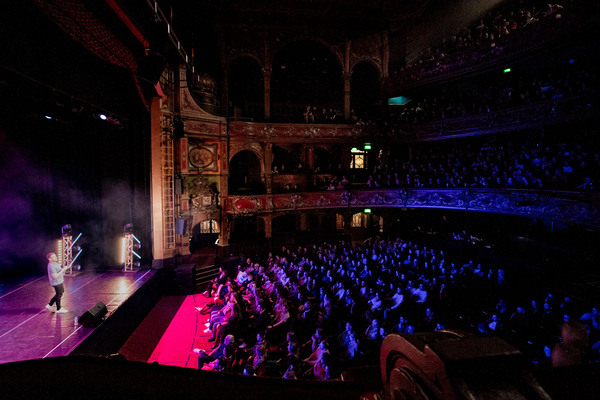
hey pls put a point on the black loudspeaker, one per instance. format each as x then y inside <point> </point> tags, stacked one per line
<point>180,226</point>
<point>93,316</point>
<point>178,185</point>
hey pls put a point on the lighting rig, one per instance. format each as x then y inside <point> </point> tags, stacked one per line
<point>66,248</point>
<point>129,245</point>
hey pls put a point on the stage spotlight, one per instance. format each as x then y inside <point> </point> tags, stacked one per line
<point>102,117</point>
<point>66,230</point>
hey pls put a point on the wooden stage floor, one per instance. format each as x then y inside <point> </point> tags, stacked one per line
<point>29,331</point>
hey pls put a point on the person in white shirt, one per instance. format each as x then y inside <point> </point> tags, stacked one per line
<point>55,275</point>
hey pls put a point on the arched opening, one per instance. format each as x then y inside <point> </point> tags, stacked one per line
<point>245,174</point>
<point>246,90</point>
<point>305,74</point>
<point>365,92</point>
<point>282,160</point>
<point>322,161</point>
<point>204,234</point>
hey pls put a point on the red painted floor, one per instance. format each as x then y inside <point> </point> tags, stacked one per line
<point>183,335</point>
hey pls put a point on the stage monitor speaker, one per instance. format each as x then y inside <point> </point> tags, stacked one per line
<point>93,316</point>
<point>180,226</point>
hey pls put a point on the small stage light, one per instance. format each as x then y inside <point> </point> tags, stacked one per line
<point>102,117</point>
<point>66,230</point>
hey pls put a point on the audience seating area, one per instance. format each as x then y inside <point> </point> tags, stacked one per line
<point>313,312</point>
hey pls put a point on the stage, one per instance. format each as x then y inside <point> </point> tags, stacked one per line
<point>29,331</point>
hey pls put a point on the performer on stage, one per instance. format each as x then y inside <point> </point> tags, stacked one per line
<point>55,274</point>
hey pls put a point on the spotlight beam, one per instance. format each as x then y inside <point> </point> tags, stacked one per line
<point>77,238</point>
<point>75,258</point>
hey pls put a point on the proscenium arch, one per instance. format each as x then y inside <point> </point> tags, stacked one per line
<point>307,72</point>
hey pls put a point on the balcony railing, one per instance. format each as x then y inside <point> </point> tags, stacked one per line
<point>577,108</point>
<point>581,209</point>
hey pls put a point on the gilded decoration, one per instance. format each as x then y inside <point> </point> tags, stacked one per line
<point>203,194</point>
<point>368,48</point>
<point>574,209</point>
<point>204,158</point>
<point>194,126</point>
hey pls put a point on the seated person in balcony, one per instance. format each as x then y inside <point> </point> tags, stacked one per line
<point>300,168</point>
<point>344,181</point>
<point>309,117</point>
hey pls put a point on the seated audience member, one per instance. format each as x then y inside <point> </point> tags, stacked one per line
<point>315,356</point>
<point>224,353</point>
<point>291,361</point>
<point>344,337</point>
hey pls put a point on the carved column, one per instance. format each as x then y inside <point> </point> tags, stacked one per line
<point>302,222</point>
<point>347,106</point>
<point>268,226</point>
<point>224,234</point>
<point>347,222</point>
<point>267,85</point>
<point>156,136</point>
<point>347,75</point>
<point>268,171</point>
<point>385,57</point>
<point>224,187</point>
<point>310,158</point>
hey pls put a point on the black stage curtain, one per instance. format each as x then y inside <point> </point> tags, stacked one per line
<point>59,162</point>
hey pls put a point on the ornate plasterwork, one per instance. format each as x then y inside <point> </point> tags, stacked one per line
<point>202,127</point>
<point>203,197</point>
<point>261,131</point>
<point>255,147</point>
<point>368,48</point>
<point>204,158</point>
<point>575,208</point>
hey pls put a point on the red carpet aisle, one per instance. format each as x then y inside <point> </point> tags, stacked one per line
<point>185,332</point>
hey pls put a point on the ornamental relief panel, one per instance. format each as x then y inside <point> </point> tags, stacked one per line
<point>203,194</point>
<point>203,157</point>
<point>368,48</point>
<point>201,127</point>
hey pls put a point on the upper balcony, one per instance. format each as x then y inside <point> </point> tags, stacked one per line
<point>574,108</point>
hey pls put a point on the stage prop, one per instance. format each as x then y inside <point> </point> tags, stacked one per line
<point>129,244</point>
<point>66,248</point>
